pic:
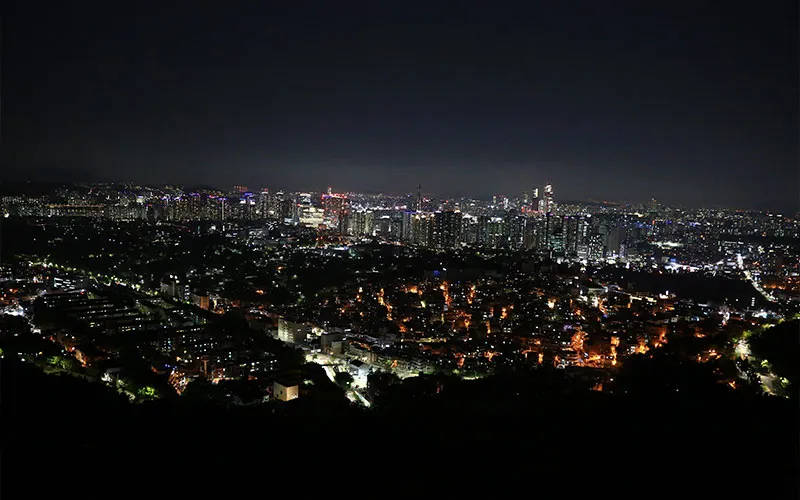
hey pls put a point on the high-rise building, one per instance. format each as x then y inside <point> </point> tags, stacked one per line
<point>447,229</point>
<point>263,204</point>
<point>595,247</point>
<point>292,332</point>
<point>383,225</point>
<point>361,223</point>
<point>280,207</point>
<point>405,227</point>
<point>529,233</point>
<point>306,214</point>
<point>614,240</point>
<point>513,225</point>
<point>482,230</point>
<point>544,233</point>
<point>557,241</point>
<point>574,229</point>
<point>547,203</point>
<point>422,229</point>
<point>400,225</point>
<point>247,206</point>
<point>335,207</point>
<point>469,229</point>
<point>495,232</point>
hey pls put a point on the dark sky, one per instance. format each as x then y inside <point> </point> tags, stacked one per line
<point>691,102</point>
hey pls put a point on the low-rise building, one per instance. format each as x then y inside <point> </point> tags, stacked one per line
<point>285,391</point>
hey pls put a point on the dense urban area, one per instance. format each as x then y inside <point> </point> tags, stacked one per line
<point>270,302</point>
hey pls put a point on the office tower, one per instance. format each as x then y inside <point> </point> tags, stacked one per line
<point>247,206</point>
<point>306,214</point>
<point>279,206</point>
<point>335,208</point>
<point>263,204</point>
<point>302,204</point>
<point>547,203</point>
<point>533,202</point>
<point>285,208</point>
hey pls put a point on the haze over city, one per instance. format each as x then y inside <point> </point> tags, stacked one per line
<point>687,102</point>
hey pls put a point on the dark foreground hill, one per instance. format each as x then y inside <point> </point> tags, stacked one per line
<point>531,430</point>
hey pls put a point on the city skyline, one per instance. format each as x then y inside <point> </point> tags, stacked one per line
<point>12,187</point>
<point>622,103</point>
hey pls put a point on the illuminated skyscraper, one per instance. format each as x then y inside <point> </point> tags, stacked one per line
<point>336,208</point>
<point>447,228</point>
<point>513,225</point>
<point>401,225</point>
<point>306,214</point>
<point>544,231</point>
<point>546,203</point>
<point>422,229</point>
<point>361,223</point>
<point>263,204</point>
<point>529,233</point>
<point>533,201</point>
<point>495,235</point>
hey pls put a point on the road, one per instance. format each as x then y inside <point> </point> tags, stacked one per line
<point>327,363</point>
<point>749,277</point>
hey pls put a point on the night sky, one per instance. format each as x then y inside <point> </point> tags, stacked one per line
<point>690,102</point>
